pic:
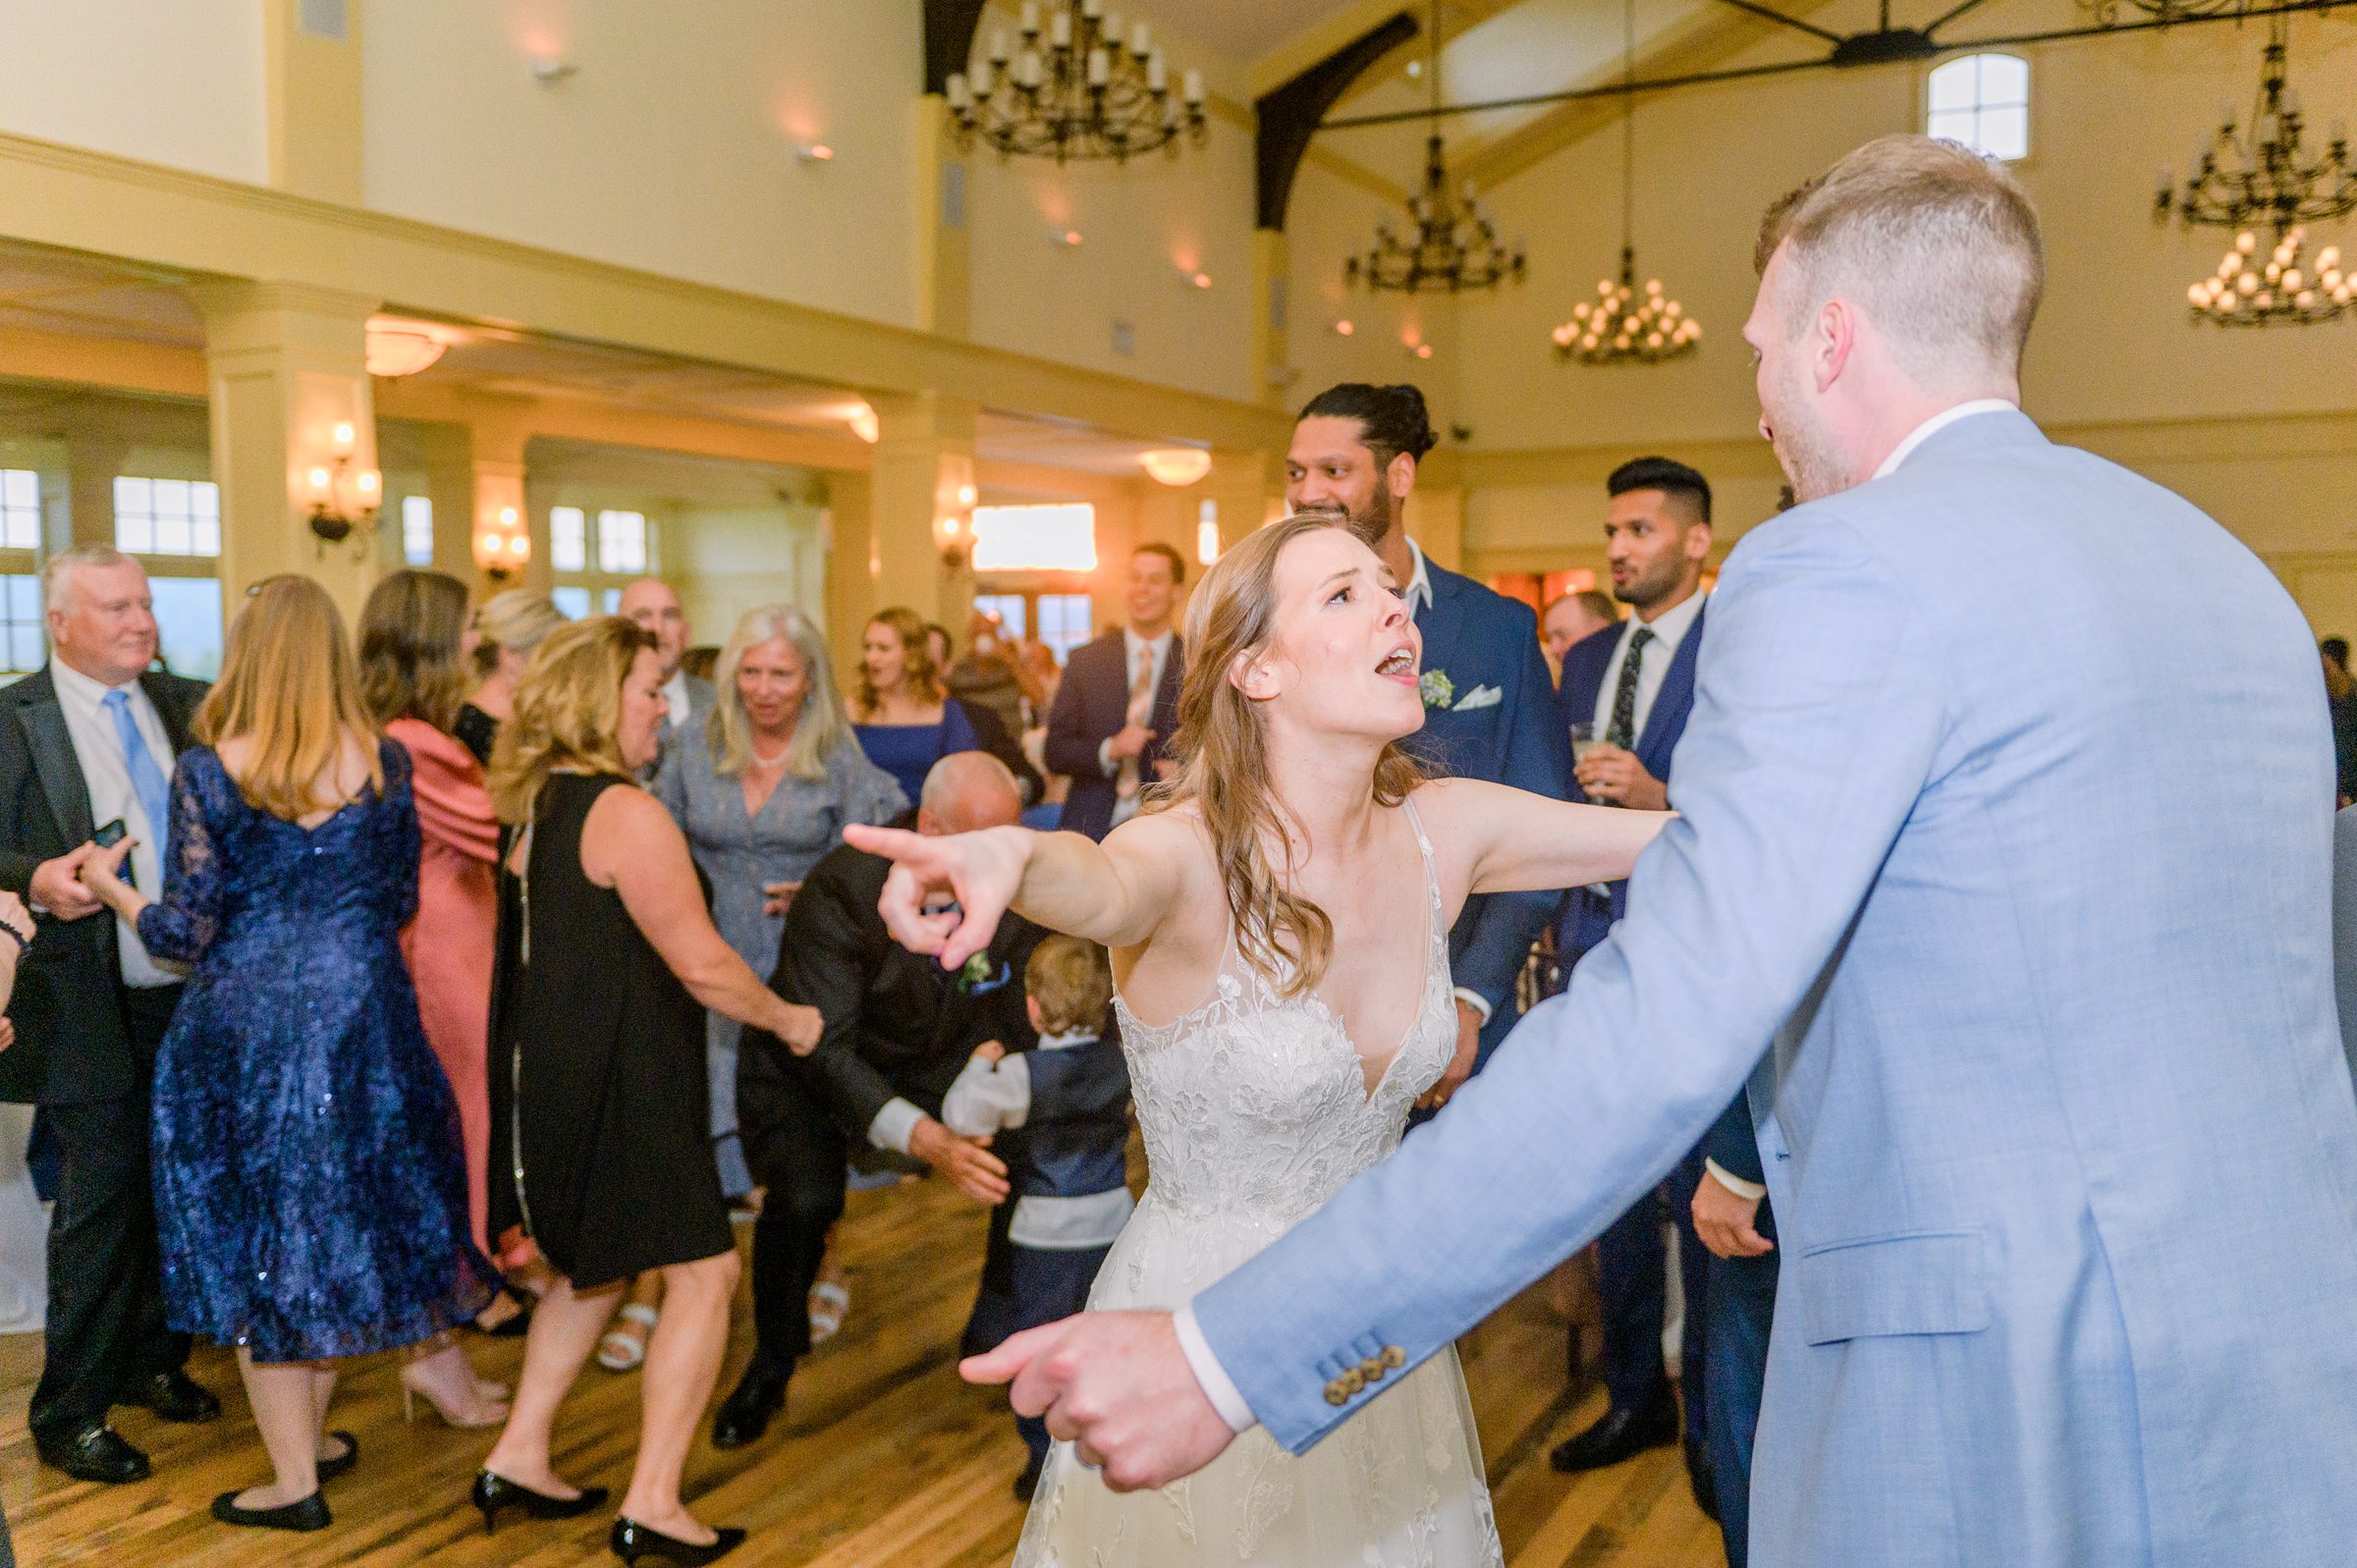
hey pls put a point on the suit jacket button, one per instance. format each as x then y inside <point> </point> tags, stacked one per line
<point>1351,1382</point>
<point>1372,1370</point>
<point>1336,1394</point>
<point>1394,1357</point>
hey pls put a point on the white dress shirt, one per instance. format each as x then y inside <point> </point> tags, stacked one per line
<point>1669,629</point>
<point>675,697</point>
<point>106,773</point>
<point>1131,646</point>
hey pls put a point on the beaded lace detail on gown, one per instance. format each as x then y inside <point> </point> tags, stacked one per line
<point>1255,1112</point>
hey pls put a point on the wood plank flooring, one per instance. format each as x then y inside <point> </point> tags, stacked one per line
<point>885,1460</point>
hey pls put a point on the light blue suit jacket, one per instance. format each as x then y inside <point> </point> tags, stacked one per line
<point>2007,837</point>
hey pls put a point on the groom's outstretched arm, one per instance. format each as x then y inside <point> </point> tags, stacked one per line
<point>1815,724</point>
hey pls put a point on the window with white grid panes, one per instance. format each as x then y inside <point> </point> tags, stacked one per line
<point>1982,100</point>
<point>568,539</point>
<point>167,517</point>
<point>572,603</point>
<point>21,623</point>
<point>20,510</point>
<point>417,530</point>
<point>622,542</point>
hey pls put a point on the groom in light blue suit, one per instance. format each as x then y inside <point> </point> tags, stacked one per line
<point>2049,1086</point>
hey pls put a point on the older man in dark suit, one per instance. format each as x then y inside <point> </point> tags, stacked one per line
<point>897,1031</point>
<point>87,744</point>
<point>1119,701</point>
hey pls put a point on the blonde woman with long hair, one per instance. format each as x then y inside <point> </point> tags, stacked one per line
<point>310,1193</point>
<point>902,713</point>
<point>599,1102</point>
<point>1279,917</point>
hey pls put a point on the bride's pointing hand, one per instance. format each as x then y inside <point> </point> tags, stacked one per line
<point>977,873</point>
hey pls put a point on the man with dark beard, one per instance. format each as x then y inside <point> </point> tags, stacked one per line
<point>1489,702</point>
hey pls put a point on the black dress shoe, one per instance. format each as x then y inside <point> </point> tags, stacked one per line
<point>1618,1435</point>
<point>1702,1477</point>
<point>631,1541</point>
<point>99,1454</point>
<point>330,1469</point>
<point>493,1492</point>
<point>307,1513</point>
<point>172,1395</point>
<point>744,1416</point>
<point>1026,1485</point>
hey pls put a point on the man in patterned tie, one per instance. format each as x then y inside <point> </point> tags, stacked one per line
<point>1631,686</point>
<point>1119,701</point>
<point>88,743</point>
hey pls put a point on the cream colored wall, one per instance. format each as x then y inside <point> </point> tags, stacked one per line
<point>2224,416</point>
<point>178,82</point>
<point>1329,219</point>
<point>672,148</point>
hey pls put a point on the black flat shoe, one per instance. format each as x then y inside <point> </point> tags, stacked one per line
<point>99,1454</point>
<point>172,1395</point>
<point>631,1541</point>
<point>492,1492</point>
<point>307,1513</point>
<point>1616,1435</point>
<point>744,1416</point>
<point>330,1469</point>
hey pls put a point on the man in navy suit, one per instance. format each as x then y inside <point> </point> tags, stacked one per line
<point>1627,689</point>
<point>1118,702</point>
<point>1488,708</point>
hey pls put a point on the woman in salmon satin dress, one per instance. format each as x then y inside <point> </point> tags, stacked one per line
<point>413,676</point>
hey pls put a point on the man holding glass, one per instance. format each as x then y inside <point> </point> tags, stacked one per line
<point>1624,697</point>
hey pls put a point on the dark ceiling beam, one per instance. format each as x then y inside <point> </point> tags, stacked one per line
<point>949,39</point>
<point>1288,116</point>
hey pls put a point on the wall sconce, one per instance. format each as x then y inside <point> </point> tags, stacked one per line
<point>1198,280</point>
<point>1344,328</point>
<point>953,544</point>
<point>548,70</point>
<point>1069,239</point>
<point>343,497</point>
<point>1422,351</point>
<point>814,152</point>
<point>503,546</point>
<point>1175,465</point>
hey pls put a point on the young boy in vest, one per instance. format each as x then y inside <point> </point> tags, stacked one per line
<point>1068,1096</point>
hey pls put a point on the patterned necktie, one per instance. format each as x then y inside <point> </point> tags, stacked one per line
<point>1622,732</point>
<point>146,779</point>
<point>1126,782</point>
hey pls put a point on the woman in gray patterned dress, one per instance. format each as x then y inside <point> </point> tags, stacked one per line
<point>762,789</point>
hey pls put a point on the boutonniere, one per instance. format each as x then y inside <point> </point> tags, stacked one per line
<point>1437,689</point>
<point>977,970</point>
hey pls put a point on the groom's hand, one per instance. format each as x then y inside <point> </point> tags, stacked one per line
<point>1115,1384</point>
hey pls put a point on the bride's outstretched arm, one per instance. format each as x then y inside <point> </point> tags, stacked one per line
<point>1113,893</point>
<point>1515,841</point>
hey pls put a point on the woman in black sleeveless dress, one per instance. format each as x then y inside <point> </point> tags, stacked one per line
<point>608,959</point>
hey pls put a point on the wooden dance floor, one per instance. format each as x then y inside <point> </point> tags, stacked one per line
<point>885,1460</point>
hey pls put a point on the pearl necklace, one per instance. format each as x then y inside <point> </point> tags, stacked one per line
<point>759,761</point>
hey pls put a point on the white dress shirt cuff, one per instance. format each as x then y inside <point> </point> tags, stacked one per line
<point>892,1125</point>
<point>1218,1388</point>
<point>1475,1001</point>
<point>1105,757</point>
<point>1752,1190</point>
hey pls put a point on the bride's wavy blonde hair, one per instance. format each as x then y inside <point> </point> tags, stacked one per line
<point>1221,748</point>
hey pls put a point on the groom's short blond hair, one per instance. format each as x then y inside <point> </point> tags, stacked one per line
<point>1937,245</point>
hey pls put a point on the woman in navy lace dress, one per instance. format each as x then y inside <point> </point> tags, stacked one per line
<point>309,1189</point>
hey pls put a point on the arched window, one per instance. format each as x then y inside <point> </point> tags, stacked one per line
<point>1982,100</point>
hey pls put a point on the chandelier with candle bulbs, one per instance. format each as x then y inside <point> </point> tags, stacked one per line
<point>1079,88</point>
<point>1456,246</point>
<point>1623,324</point>
<point>2278,291</point>
<point>2264,178</point>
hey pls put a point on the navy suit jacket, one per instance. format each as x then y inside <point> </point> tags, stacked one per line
<point>1586,917</point>
<point>1092,704</point>
<point>1483,642</point>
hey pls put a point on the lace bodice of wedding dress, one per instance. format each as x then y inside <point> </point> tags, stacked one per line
<point>1255,1110</point>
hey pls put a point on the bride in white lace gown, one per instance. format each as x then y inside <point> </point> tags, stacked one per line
<point>1278,918</point>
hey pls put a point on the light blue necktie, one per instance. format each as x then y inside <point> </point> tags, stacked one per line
<point>146,779</point>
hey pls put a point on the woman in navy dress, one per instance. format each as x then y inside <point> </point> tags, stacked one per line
<point>310,1193</point>
<point>901,712</point>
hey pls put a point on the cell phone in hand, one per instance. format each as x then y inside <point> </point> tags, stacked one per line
<point>107,838</point>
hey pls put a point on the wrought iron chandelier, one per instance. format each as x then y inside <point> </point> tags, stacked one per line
<point>1080,89</point>
<point>2107,11</point>
<point>2264,178</point>
<point>1621,325</point>
<point>1454,247</point>
<point>2246,292</point>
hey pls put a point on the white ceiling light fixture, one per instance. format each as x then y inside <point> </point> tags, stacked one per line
<point>1175,465</point>
<point>401,348</point>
